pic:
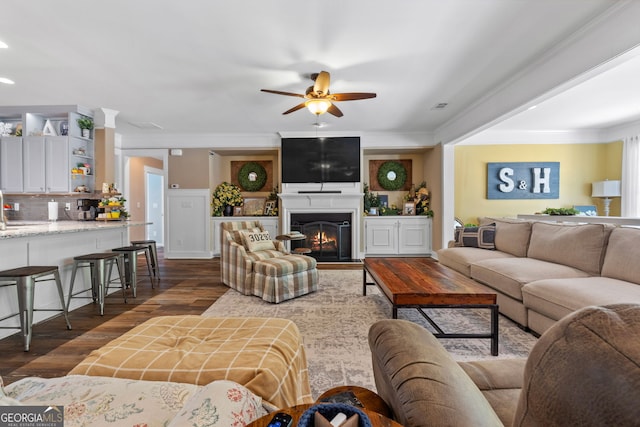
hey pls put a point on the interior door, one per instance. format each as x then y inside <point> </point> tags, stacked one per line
<point>154,187</point>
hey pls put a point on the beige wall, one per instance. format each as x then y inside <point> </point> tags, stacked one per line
<point>580,165</point>
<point>432,173</point>
<point>136,204</point>
<point>191,170</point>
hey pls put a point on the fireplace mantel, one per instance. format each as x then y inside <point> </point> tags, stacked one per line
<point>324,202</point>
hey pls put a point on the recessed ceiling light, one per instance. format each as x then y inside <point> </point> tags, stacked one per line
<point>440,106</point>
<point>3,45</point>
<point>6,81</point>
<point>533,107</point>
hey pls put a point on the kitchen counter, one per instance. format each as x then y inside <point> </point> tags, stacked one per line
<point>39,228</point>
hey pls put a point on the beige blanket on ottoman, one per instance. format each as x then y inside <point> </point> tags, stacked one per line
<point>266,355</point>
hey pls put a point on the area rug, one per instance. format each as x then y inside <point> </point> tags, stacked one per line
<point>334,322</point>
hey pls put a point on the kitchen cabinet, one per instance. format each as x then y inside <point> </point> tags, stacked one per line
<point>46,164</point>
<point>397,235</point>
<point>269,223</point>
<point>11,179</point>
<point>54,156</point>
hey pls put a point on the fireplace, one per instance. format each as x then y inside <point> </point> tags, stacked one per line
<point>328,234</point>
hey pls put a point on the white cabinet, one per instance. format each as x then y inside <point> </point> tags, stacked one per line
<point>11,179</point>
<point>397,235</point>
<point>53,157</point>
<point>46,164</point>
<point>270,224</point>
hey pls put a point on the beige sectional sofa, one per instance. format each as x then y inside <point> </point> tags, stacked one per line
<point>542,271</point>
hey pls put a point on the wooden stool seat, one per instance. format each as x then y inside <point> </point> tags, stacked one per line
<point>25,278</point>
<point>302,251</point>
<point>100,276</point>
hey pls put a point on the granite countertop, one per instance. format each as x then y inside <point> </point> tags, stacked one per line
<point>40,228</point>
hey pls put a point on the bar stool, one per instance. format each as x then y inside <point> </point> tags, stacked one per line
<point>153,252</point>
<point>100,277</point>
<point>131,264</point>
<point>25,278</point>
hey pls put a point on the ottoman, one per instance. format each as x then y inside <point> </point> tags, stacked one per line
<point>283,278</point>
<point>266,355</point>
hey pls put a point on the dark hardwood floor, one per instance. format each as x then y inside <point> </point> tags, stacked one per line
<point>185,287</point>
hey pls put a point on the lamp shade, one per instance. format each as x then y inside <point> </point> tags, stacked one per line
<point>605,189</point>
<point>318,106</point>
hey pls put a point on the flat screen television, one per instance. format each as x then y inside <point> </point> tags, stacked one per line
<point>330,159</point>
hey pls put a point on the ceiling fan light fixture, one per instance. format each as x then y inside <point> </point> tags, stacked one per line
<point>318,106</point>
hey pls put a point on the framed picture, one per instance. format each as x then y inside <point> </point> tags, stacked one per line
<point>237,211</point>
<point>384,200</point>
<point>254,206</point>
<point>269,207</point>
<point>409,208</point>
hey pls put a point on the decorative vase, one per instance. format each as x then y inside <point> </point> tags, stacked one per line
<point>228,210</point>
<point>86,133</point>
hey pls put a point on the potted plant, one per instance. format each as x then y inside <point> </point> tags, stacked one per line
<point>85,124</point>
<point>225,196</point>
<point>371,200</point>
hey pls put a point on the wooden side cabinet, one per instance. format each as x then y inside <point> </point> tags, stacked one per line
<point>397,235</point>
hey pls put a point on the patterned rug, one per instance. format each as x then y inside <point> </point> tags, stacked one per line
<point>334,322</point>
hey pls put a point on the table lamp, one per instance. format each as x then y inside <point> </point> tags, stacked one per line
<point>606,190</point>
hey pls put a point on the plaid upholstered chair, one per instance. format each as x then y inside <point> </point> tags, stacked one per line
<point>253,264</point>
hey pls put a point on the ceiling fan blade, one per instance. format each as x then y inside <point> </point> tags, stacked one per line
<point>334,110</point>
<point>296,108</point>
<point>321,85</point>
<point>278,92</point>
<point>353,96</point>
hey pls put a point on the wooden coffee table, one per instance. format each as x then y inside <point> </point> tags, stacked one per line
<point>424,283</point>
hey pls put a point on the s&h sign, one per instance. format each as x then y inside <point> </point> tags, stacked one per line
<point>523,180</point>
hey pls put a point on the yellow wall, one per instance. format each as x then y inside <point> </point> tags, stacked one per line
<point>580,165</point>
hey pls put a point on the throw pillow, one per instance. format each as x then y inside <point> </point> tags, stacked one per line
<point>482,237</point>
<point>257,241</point>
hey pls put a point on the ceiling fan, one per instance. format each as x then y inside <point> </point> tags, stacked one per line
<point>318,98</point>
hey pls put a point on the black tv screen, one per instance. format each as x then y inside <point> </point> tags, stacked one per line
<point>333,159</point>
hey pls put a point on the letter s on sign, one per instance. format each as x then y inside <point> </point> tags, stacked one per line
<point>508,184</point>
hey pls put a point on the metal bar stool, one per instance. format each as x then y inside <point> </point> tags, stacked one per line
<point>131,264</point>
<point>153,252</point>
<point>100,277</point>
<point>25,278</point>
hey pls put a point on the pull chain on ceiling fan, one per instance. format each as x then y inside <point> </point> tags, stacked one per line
<point>318,98</point>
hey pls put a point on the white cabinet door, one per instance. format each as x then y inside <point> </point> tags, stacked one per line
<point>34,164</point>
<point>57,164</point>
<point>381,236</point>
<point>11,171</point>
<point>415,236</point>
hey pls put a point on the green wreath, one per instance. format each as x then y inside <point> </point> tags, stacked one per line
<point>392,176</point>
<point>259,173</point>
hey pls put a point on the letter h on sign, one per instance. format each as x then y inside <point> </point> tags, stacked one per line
<point>523,180</point>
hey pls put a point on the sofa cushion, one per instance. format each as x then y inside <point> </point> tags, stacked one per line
<point>256,241</point>
<point>481,237</point>
<point>509,275</point>
<point>283,266</point>
<point>556,298</point>
<point>460,259</point>
<point>585,371</point>
<point>579,246</point>
<point>500,381</point>
<point>512,235</point>
<point>621,256</point>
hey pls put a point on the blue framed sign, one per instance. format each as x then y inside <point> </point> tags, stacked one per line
<point>523,180</point>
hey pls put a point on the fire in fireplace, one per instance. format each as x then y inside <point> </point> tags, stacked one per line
<point>328,235</point>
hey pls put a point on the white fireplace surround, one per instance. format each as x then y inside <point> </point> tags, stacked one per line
<point>312,198</point>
